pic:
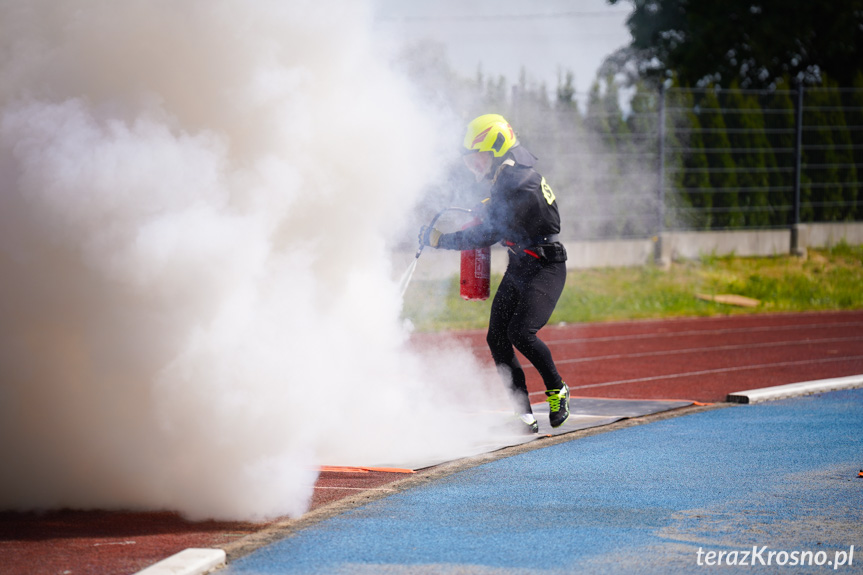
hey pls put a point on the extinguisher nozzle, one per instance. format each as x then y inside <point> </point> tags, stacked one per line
<point>432,223</point>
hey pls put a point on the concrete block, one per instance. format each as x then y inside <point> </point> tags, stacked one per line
<point>795,389</point>
<point>188,562</point>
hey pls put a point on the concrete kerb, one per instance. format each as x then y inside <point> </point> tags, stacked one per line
<point>188,562</point>
<point>285,528</point>
<point>795,389</point>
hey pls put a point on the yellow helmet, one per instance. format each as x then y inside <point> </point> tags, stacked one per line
<point>489,133</point>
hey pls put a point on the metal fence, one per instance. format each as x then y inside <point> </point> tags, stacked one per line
<point>686,159</point>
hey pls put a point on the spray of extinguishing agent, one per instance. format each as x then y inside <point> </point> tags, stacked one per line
<point>475,268</point>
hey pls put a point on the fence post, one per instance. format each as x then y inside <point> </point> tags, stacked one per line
<point>798,244</point>
<point>660,195</point>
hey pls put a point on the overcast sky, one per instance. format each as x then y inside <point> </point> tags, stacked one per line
<point>543,36</point>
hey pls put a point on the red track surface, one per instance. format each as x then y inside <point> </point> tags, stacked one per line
<point>695,359</point>
<point>102,543</point>
<point>702,359</point>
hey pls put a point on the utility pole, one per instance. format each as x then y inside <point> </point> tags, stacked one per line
<point>660,185</point>
<point>798,244</point>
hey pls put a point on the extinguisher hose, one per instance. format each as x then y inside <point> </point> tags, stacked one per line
<point>434,221</point>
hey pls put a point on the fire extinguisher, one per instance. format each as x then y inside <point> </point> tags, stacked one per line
<point>475,273</point>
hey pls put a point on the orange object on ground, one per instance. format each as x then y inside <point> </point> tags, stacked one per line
<point>340,469</point>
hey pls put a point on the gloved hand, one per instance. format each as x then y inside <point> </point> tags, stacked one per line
<point>430,236</point>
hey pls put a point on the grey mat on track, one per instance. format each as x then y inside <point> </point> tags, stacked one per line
<point>584,414</point>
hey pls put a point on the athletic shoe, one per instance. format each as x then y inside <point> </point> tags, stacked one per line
<point>530,422</point>
<point>558,405</point>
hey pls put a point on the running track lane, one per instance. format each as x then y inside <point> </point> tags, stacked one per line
<point>700,359</point>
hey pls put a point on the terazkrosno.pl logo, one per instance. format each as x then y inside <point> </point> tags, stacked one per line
<point>764,556</point>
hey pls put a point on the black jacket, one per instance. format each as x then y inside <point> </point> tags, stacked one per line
<point>522,209</point>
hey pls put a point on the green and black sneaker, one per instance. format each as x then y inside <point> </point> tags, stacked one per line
<point>558,405</point>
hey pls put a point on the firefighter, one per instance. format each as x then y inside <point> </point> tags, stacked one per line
<point>522,214</point>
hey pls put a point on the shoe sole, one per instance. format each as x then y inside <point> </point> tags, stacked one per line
<point>562,422</point>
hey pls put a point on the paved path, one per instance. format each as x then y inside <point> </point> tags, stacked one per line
<point>659,498</point>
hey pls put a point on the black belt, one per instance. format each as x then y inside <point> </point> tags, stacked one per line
<point>544,248</point>
<point>537,241</point>
<point>549,239</point>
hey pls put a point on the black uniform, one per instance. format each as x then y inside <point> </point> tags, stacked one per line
<point>522,214</point>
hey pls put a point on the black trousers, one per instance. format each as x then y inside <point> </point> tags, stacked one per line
<point>524,301</point>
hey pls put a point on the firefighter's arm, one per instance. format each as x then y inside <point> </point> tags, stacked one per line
<point>469,239</point>
<point>474,237</point>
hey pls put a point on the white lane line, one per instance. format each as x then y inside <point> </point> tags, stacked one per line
<point>714,372</point>
<point>708,349</point>
<point>690,333</point>
<point>795,389</point>
<point>693,332</point>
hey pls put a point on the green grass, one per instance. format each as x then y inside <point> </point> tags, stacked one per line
<point>830,279</point>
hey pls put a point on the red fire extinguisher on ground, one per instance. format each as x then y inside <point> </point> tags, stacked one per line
<point>475,277</point>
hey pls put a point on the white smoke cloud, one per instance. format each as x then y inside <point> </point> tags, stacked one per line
<point>197,307</point>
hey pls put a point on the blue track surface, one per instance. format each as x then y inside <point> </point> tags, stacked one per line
<point>780,475</point>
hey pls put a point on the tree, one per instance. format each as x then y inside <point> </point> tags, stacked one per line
<point>853,101</point>
<point>745,123</point>
<point>630,202</point>
<point>642,123</point>
<point>779,128</point>
<point>686,162</point>
<point>599,122</point>
<point>721,167</point>
<point>827,157</point>
<point>597,116</point>
<point>755,42</point>
<point>495,93</point>
<point>566,91</point>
